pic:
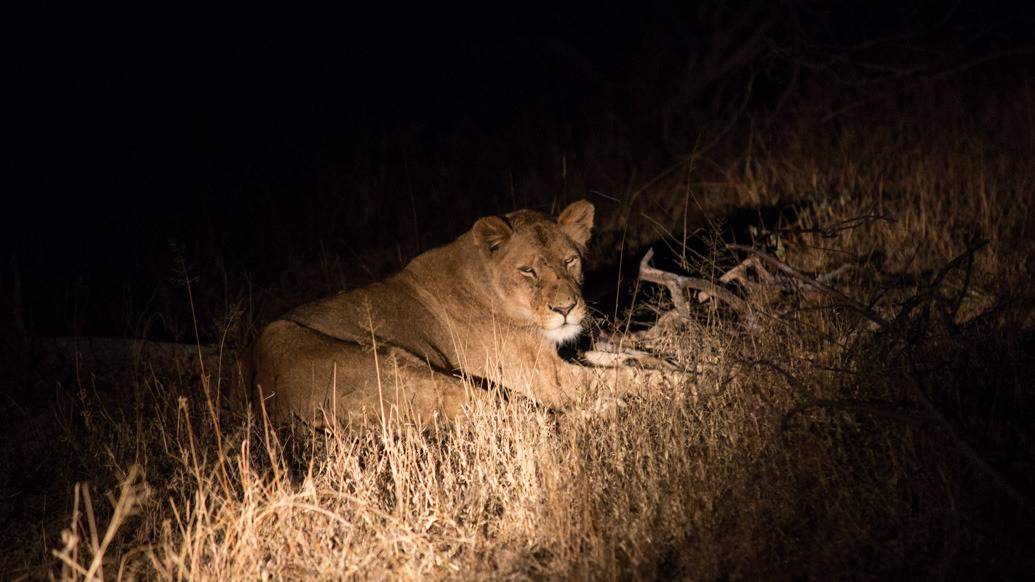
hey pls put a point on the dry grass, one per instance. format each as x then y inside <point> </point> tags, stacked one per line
<point>816,445</point>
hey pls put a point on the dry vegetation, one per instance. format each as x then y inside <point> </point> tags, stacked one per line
<point>814,441</point>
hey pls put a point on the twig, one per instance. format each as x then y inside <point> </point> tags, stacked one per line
<point>833,230</point>
<point>956,262</point>
<point>929,290</point>
<point>795,384</point>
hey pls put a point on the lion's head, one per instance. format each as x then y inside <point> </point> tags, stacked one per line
<point>534,265</point>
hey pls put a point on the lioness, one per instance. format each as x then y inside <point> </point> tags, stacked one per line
<point>493,305</point>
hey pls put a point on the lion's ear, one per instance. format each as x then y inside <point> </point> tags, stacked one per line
<point>576,221</point>
<point>491,233</point>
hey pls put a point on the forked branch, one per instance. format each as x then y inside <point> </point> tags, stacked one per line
<point>677,284</point>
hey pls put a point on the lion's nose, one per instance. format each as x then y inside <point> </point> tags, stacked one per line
<point>564,310</point>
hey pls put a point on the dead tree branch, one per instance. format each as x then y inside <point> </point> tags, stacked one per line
<point>676,285</point>
<point>834,293</point>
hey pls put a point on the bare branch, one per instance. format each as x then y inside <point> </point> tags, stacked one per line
<point>927,294</point>
<point>677,283</point>
<point>832,230</point>
<point>834,293</point>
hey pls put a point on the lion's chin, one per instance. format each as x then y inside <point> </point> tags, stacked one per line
<point>563,334</point>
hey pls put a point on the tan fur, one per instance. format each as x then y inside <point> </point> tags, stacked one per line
<point>485,305</point>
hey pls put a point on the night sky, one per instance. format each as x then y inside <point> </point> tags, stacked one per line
<point>136,132</point>
<point>112,110</point>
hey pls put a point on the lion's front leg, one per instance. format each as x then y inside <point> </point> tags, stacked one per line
<point>540,375</point>
<point>569,383</point>
<point>632,379</point>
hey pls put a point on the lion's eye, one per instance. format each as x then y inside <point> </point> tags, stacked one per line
<point>527,271</point>
<point>571,260</point>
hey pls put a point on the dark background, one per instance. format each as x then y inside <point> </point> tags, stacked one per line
<point>244,149</point>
